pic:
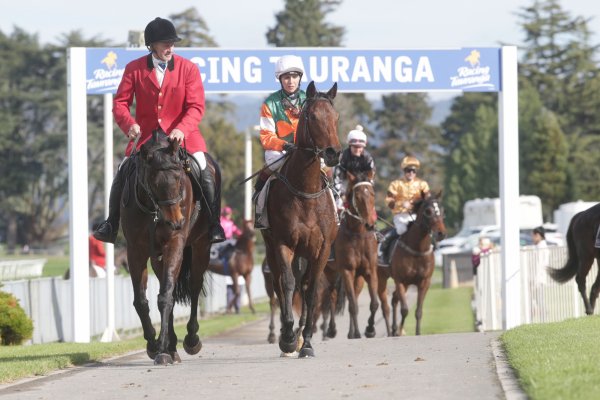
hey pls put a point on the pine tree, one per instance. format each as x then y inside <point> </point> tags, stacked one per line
<point>192,29</point>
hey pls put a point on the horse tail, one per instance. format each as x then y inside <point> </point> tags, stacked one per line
<point>182,292</point>
<point>340,303</point>
<point>567,272</point>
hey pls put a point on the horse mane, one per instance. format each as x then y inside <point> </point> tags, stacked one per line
<point>160,152</point>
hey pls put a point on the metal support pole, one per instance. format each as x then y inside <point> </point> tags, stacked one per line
<point>110,333</point>
<point>508,123</point>
<point>79,256</point>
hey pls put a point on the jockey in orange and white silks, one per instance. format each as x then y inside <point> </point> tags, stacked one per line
<point>404,192</point>
<point>280,112</point>
<point>279,116</point>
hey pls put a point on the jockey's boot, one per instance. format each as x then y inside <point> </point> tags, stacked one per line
<point>107,231</point>
<point>382,254</point>
<point>212,195</point>
<point>597,244</point>
<point>262,178</point>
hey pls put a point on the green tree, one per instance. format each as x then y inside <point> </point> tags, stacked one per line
<point>560,63</point>
<point>302,23</point>
<point>472,167</point>
<point>402,129</point>
<point>192,29</point>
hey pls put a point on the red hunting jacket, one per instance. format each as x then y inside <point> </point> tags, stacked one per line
<point>179,103</point>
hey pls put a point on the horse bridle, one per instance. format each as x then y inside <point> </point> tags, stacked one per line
<point>304,115</point>
<point>347,210</point>
<point>427,227</point>
<point>143,183</point>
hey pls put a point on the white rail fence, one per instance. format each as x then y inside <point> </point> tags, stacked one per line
<point>48,302</point>
<point>543,300</point>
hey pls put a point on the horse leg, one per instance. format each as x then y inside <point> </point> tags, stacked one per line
<point>173,341</point>
<point>385,306</point>
<point>353,331</point>
<point>172,259</point>
<point>395,301</point>
<point>421,292</point>
<point>248,281</point>
<point>595,288</point>
<point>585,263</point>
<point>333,295</point>
<point>139,280</point>
<point>284,287</point>
<point>236,295</point>
<point>373,306</point>
<point>310,296</point>
<point>200,259</point>
<point>403,306</point>
<point>272,305</point>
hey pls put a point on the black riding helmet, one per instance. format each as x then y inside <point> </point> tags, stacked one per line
<point>160,30</point>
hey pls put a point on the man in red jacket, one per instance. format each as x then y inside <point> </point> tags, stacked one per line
<point>169,96</point>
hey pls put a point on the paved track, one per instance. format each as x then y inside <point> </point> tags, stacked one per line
<point>241,365</point>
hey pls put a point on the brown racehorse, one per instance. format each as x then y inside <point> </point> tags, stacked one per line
<point>162,223</point>
<point>581,237</point>
<point>355,249</point>
<point>239,263</point>
<point>412,261</point>
<point>302,215</point>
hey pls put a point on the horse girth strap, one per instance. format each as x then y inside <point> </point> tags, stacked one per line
<point>414,252</point>
<point>299,193</point>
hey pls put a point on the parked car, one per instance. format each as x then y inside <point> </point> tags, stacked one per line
<point>464,240</point>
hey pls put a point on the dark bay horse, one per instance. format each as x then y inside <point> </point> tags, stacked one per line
<point>162,222</point>
<point>581,237</point>
<point>302,215</point>
<point>239,262</point>
<point>355,249</point>
<point>412,261</point>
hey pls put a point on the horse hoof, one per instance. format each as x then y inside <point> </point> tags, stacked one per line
<point>175,357</point>
<point>287,355</point>
<point>306,352</point>
<point>288,347</point>
<point>192,345</point>
<point>370,332</point>
<point>300,343</point>
<point>152,350</point>
<point>271,339</point>
<point>163,359</point>
<point>331,333</point>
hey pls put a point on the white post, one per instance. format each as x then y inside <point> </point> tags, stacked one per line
<point>248,172</point>
<point>508,123</point>
<point>110,334</point>
<point>78,195</point>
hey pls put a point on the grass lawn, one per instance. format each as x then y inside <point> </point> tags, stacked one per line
<point>556,360</point>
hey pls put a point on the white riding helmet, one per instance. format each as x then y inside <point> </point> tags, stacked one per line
<point>357,137</point>
<point>288,63</point>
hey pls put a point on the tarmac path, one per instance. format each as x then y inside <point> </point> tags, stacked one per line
<point>242,365</point>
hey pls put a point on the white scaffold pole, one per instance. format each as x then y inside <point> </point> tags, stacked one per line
<point>110,333</point>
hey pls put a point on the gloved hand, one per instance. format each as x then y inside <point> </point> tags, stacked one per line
<point>288,147</point>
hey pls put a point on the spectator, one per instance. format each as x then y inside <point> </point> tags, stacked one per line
<point>483,247</point>
<point>97,255</point>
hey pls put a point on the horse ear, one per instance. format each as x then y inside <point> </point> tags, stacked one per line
<point>332,92</point>
<point>371,175</point>
<point>311,90</point>
<point>173,146</point>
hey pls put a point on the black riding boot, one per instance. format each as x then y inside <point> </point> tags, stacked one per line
<point>212,196</point>
<point>388,238</point>
<point>107,230</point>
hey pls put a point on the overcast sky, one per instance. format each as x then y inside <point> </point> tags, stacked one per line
<point>398,24</point>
